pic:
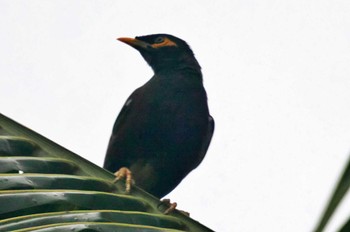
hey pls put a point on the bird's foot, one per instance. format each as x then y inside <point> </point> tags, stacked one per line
<point>124,173</point>
<point>172,207</point>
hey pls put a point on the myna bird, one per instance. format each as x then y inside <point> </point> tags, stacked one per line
<point>164,128</point>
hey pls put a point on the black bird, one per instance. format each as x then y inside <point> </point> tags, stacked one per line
<point>164,129</point>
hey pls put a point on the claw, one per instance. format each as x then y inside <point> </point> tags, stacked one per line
<point>124,173</point>
<point>172,206</point>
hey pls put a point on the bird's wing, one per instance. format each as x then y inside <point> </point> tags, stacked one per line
<point>111,159</point>
<point>208,137</point>
<point>124,112</point>
<point>210,133</point>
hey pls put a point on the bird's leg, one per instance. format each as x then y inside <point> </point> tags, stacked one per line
<point>124,173</point>
<point>172,207</point>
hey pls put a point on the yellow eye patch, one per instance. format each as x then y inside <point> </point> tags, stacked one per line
<point>166,42</point>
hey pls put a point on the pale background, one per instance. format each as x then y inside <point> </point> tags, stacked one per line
<point>277,77</point>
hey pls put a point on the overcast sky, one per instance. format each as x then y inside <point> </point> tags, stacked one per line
<point>277,74</point>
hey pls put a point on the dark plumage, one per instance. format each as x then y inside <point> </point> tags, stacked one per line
<point>164,129</point>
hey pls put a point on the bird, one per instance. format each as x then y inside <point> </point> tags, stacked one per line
<point>164,129</point>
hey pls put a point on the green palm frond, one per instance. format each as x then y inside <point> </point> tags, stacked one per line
<point>45,187</point>
<point>340,191</point>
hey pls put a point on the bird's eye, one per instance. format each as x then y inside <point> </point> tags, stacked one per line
<point>159,40</point>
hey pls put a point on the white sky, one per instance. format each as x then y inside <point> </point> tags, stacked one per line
<point>276,74</point>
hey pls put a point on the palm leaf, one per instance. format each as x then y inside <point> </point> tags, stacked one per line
<point>45,187</point>
<point>340,191</point>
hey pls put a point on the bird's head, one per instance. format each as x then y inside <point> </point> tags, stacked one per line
<point>163,51</point>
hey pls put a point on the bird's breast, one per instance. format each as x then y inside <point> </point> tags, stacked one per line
<point>169,116</point>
